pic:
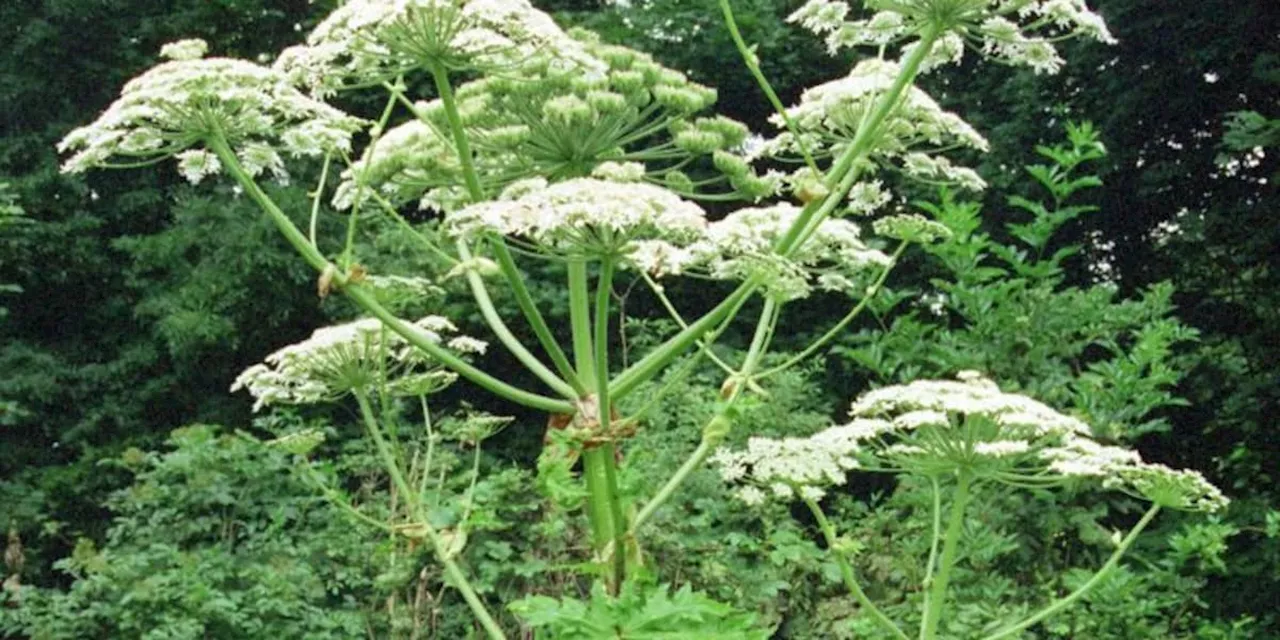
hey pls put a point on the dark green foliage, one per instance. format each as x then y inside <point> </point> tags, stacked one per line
<point>690,36</point>
<point>215,539</point>
<point>636,612</point>
<point>1006,310</point>
<point>96,352</point>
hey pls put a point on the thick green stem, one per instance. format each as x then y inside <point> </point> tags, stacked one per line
<point>600,340</point>
<point>846,572</point>
<point>508,339</point>
<point>451,568</point>
<point>460,141</point>
<point>760,340</point>
<point>580,319</point>
<point>704,344</point>
<point>369,303</point>
<point>717,428</point>
<point>1083,589</point>
<point>839,179</point>
<point>705,447</point>
<point>536,321</point>
<point>866,136</point>
<point>570,389</point>
<point>605,512</point>
<point>505,261</point>
<point>933,545</point>
<point>608,489</point>
<point>653,362</point>
<point>955,527</point>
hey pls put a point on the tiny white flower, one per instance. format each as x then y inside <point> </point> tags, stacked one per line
<point>192,49</point>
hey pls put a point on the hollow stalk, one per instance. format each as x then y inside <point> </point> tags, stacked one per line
<point>937,593</point>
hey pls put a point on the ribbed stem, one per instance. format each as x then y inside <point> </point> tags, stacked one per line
<point>580,319</point>
<point>955,528</point>
<point>479,292</point>
<point>530,310</point>
<point>490,314</point>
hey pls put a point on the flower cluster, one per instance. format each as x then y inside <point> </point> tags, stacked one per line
<point>940,427</point>
<point>911,227</point>
<point>349,357</point>
<point>1018,32</point>
<point>585,216</point>
<point>176,108</point>
<point>365,42</point>
<point>743,245</point>
<point>830,115</point>
<point>416,160</point>
<point>542,119</point>
<point>794,466</point>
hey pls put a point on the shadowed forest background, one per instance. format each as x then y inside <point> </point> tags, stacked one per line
<point>137,503</point>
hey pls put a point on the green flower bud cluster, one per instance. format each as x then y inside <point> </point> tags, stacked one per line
<point>911,228</point>
<point>541,118</point>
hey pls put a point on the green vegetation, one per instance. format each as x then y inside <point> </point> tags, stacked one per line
<point>654,439</point>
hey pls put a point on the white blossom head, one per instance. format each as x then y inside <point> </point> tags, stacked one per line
<point>177,108</point>
<point>586,217</point>
<point>830,115</point>
<point>1179,489</point>
<point>192,49</point>
<point>349,357</point>
<point>365,42</point>
<point>1019,32</point>
<point>742,245</point>
<point>938,428</point>
<point>791,467</point>
<point>405,163</point>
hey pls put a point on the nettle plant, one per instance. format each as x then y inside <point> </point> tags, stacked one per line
<point>546,145</point>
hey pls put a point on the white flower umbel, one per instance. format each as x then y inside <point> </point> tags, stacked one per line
<point>1019,32</point>
<point>587,217</point>
<point>973,395</point>
<point>741,246</point>
<point>829,116</point>
<point>184,104</point>
<point>794,464</point>
<point>1179,489</point>
<point>365,42</point>
<point>340,359</point>
<point>941,427</point>
<point>404,164</point>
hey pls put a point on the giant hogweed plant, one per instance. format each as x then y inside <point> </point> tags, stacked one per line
<point>542,145</point>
